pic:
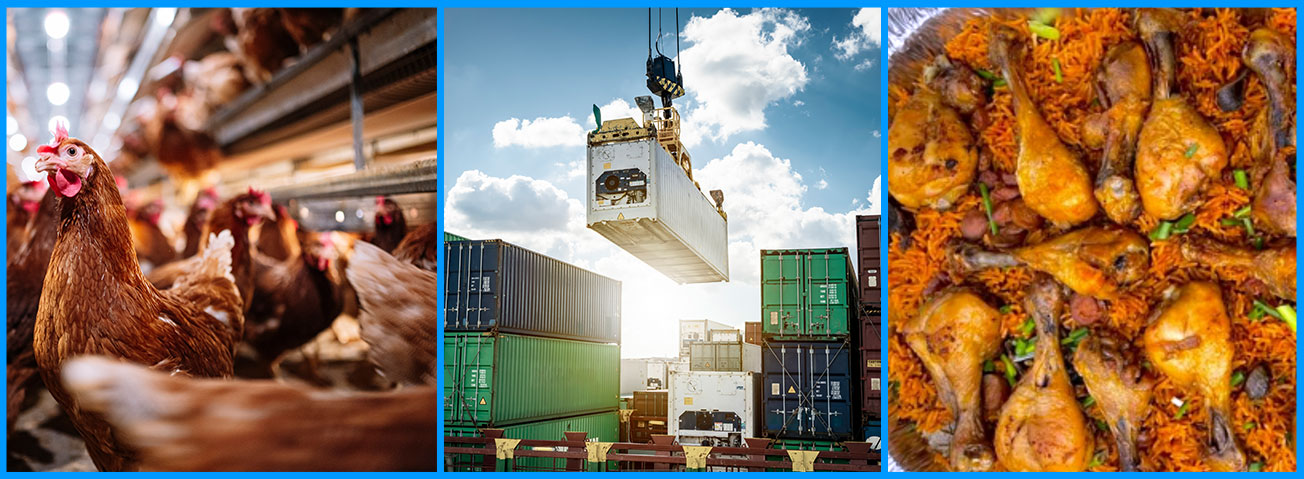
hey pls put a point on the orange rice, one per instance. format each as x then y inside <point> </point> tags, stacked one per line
<point>1208,52</point>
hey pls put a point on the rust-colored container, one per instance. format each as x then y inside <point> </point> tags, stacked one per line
<point>650,403</point>
<point>642,428</point>
<point>867,258</point>
<point>752,333</point>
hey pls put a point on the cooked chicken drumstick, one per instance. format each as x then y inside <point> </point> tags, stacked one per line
<point>953,334</point>
<point>1275,267</point>
<point>1097,261</point>
<point>933,157</point>
<point>1052,179</point>
<point>1178,151</point>
<point>1272,56</point>
<point>1114,378</point>
<point>1124,85</point>
<point>1189,340</point>
<point>1041,427</point>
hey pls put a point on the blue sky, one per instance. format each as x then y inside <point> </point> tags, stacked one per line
<point>782,113</point>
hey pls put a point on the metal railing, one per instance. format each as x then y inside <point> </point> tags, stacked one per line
<point>492,452</point>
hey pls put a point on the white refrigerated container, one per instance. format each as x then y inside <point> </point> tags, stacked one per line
<point>713,408</point>
<point>645,203</point>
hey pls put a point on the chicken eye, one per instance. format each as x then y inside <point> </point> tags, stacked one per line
<point>72,151</point>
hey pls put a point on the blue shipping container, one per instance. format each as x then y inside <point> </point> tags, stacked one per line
<point>495,286</point>
<point>809,391</point>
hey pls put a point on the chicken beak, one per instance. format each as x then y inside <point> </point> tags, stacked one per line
<point>265,212</point>
<point>50,164</point>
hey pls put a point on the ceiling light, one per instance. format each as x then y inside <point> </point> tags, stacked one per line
<point>28,170</point>
<point>127,88</point>
<point>111,121</point>
<point>57,93</point>
<point>17,142</point>
<point>56,24</point>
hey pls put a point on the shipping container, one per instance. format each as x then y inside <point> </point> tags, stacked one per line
<point>506,379</point>
<point>495,286</point>
<point>808,294</point>
<point>868,257</point>
<point>870,322</point>
<point>694,330</point>
<point>450,237</point>
<point>809,391</point>
<point>726,335</point>
<point>733,356</point>
<point>641,200</point>
<point>651,403</point>
<point>752,333</point>
<point>643,374</point>
<point>642,428</point>
<point>603,426</point>
<point>713,408</point>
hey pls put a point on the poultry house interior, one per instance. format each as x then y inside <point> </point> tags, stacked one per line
<point>270,164</point>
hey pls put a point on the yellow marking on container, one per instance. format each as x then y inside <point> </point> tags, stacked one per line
<point>688,401</point>
<point>791,390</point>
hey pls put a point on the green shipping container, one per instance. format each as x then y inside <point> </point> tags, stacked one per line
<point>498,380</point>
<point>450,237</point>
<point>601,427</point>
<point>807,294</point>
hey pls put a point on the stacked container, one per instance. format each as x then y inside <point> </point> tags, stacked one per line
<point>531,344</point>
<point>649,416</point>
<point>870,344</point>
<point>808,321</point>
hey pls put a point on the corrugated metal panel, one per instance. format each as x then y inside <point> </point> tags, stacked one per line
<point>505,379</point>
<point>651,403</point>
<point>752,332</point>
<point>730,335</point>
<point>868,256</point>
<point>807,294</point>
<point>672,226</point>
<point>809,391</point>
<point>732,356</point>
<point>717,407</point>
<point>492,285</point>
<point>450,237</point>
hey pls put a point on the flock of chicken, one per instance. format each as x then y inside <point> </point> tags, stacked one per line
<point>170,124</point>
<point>1159,155</point>
<point>124,329</point>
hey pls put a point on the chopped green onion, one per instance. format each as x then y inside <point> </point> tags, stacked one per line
<point>1101,425</point>
<point>999,82</point>
<point>1162,231</point>
<point>987,206</point>
<point>1242,180</point>
<point>1190,150</point>
<point>1256,313</point>
<point>1010,372</point>
<point>1243,212</point>
<point>1059,75</point>
<point>1096,460</point>
<point>1181,411</point>
<point>1249,226</point>
<point>1086,403</point>
<point>1184,223</point>
<point>987,75</point>
<point>1007,308</point>
<point>1229,222</point>
<point>1263,309</point>
<point>1075,337</point>
<point>1249,425</point>
<point>1043,30</point>
<point>989,366</point>
<point>1238,377</point>
<point>1256,466</point>
<point>1024,349</point>
<point>1258,242</point>
<point>1046,15</point>
<point>1027,326</point>
<point>1287,314</point>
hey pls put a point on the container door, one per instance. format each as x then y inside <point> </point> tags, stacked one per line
<point>471,286</point>
<point>781,293</point>
<point>827,287</point>
<point>468,379</point>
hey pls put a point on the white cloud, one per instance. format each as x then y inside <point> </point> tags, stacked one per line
<point>798,103</point>
<point>875,198</point>
<point>877,134</point>
<point>538,133</point>
<point>617,108</point>
<point>736,66</point>
<point>864,65</point>
<point>764,199</point>
<point>821,185</point>
<point>869,35</point>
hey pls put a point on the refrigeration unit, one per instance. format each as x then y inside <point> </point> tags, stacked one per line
<point>716,409</point>
<point>642,197</point>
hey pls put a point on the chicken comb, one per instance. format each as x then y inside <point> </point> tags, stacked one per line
<point>262,196</point>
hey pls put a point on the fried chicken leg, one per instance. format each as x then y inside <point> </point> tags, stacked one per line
<point>1272,56</point>
<point>1275,267</point>
<point>1052,179</point>
<point>953,334</point>
<point>1097,261</point>
<point>933,158</point>
<point>1041,427</point>
<point>1178,151</point>
<point>1189,340</point>
<point>1114,378</point>
<point>1124,84</point>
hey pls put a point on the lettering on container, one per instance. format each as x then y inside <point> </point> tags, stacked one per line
<point>874,363</point>
<point>872,278</point>
<point>480,284</point>
<point>774,318</point>
<point>774,389</point>
<point>827,294</point>
<point>478,378</point>
<point>873,384</point>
